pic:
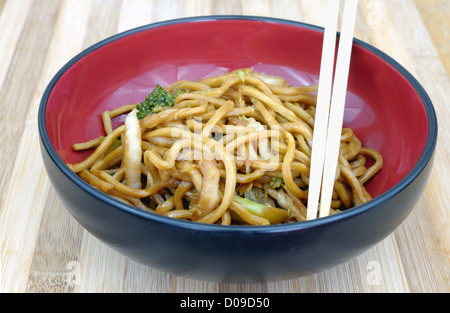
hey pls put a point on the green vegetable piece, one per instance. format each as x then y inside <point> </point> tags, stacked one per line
<point>117,143</point>
<point>274,215</point>
<point>242,75</point>
<point>156,101</point>
<point>276,182</point>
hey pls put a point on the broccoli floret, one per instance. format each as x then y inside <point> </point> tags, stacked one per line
<point>276,182</point>
<point>156,101</point>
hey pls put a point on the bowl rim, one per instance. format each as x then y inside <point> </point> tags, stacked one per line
<point>424,159</point>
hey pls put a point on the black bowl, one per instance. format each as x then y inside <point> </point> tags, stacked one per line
<point>383,99</point>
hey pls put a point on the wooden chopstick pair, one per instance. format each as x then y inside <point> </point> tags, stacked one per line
<point>330,107</point>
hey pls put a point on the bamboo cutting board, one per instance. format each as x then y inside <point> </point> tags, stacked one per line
<point>42,249</point>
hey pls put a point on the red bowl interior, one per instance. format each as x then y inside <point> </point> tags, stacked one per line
<point>382,107</point>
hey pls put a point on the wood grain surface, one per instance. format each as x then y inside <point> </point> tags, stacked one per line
<point>43,249</point>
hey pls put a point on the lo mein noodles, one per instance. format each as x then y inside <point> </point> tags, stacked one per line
<point>233,149</point>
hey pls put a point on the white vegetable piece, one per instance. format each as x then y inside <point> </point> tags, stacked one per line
<point>132,155</point>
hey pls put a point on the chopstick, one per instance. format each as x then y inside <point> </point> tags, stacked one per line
<point>329,114</point>
<point>322,108</point>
